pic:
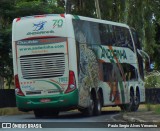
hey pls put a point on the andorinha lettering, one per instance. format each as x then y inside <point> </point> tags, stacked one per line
<point>110,54</point>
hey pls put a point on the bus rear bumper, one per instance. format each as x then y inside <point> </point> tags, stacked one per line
<point>59,102</point>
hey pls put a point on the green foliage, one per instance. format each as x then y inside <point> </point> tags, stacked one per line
<point>10,9</point>
<point>156,53</point>
<point>152,80</point>
<point>83,8</point>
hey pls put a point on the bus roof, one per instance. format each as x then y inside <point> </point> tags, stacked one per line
<point>77,17</point>
<point>99,20</point>
<point>46,25</point>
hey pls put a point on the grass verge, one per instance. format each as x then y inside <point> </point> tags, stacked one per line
<point>153,107</point>
<point>10,111</point>
<point>142,107</point>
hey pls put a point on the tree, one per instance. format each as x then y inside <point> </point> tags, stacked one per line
<point>5,43</point>
<point>13,9</point>
<point>156,53</point>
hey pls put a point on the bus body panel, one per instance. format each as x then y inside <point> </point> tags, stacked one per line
<point>42,66</point>
<point>115,58</point>
<point>39,26</point>
<point>96,65</point>
<point>41,58</point>
<point>60,102</point>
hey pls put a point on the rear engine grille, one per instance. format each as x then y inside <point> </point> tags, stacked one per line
<point>42,65</point>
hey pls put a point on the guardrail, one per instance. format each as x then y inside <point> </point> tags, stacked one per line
<point>7,98</point>
<point>153,95</point>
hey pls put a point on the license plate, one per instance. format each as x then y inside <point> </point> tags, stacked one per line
<point>45,100</point>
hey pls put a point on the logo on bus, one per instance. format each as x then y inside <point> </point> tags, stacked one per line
<point>38,29</point>
<point>39,26</point>
<point>110,54</point>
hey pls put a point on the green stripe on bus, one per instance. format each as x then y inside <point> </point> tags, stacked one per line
<point>58,87</point>
<point>76,17</point>
<point>120,82</point>
<point>122,91</point>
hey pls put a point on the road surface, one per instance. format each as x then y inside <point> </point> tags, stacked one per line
<point>76,122</point>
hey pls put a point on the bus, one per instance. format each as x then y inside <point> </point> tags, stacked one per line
<point>63,62</point>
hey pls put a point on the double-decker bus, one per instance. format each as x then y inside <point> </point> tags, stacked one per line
<point>63,62</point>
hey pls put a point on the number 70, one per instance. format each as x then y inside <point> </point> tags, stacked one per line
<point>58,23</point>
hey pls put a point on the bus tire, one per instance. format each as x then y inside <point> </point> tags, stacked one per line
<point>38,113</point>
<point>128,107</point>
<point>98,104</point>
<point>51,113</point>
<point>136,101</point>
<point>89,111</point>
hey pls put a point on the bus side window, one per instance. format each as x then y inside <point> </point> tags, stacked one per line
<point>104,34</point>
<point>118,37</point>
<point>94,31</point>
<point>107,71</point>
<point>79,34</point>
<point>130,72</point>
<point>126,41</point>
<point>112,35</point>
<point>129,40</point>
<point>138,46</point>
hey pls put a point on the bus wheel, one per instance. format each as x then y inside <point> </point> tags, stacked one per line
<point>89,110</point>
<point>129,106</point>
<point>51,113</point>
<point>98,105</point>
<point>38,113</point>
<point>136,101</point>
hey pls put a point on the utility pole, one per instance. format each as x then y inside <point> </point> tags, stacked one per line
<point>1,65</point>
<point>98,12</point>
<point>68,6</point>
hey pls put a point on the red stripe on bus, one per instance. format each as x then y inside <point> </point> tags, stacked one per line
<point>41,37</point>
<point>39,16</point>
<point>62,15</point>
<point>119,65</point>
<point>18,19</point>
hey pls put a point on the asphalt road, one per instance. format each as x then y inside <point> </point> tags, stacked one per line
<point>72,121</point>
<point>70,116</point>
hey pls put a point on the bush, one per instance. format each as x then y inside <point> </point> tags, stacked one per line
<point>152,80</point>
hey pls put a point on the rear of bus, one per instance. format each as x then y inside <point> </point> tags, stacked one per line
<point>43,78</point>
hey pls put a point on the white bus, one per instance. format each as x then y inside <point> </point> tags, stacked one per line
<point>63,62</point>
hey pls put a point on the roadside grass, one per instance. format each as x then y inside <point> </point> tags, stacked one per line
<point>152,80</point>
<point>153,107</point>
<point>10,111</point>
<point>157,109</point>
<point>142,107</point>
<point>111,108</point>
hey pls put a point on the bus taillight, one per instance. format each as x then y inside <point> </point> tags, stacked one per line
<point>17,85</point>
<point>72,82</point>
